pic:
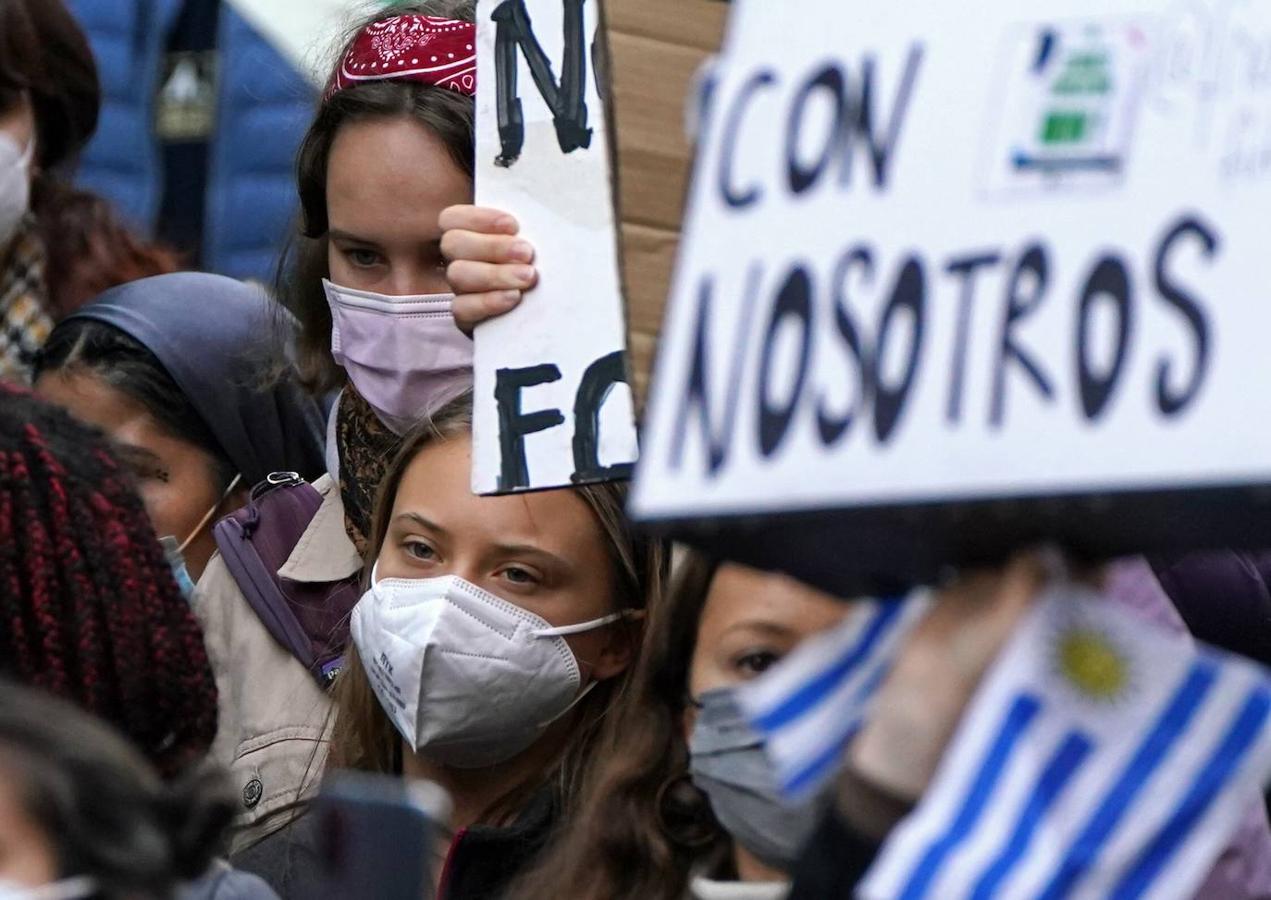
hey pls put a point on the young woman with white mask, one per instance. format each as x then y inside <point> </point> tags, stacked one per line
<point>494,636</point>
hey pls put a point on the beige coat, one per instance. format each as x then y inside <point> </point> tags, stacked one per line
<point>274,719</point>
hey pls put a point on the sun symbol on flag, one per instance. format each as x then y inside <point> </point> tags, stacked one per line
<point>1092,663</point>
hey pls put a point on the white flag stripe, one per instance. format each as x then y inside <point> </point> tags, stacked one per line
<point>1228,810</point>
<point>812,660</point>
<point>1170,783</point>
<point>797,746</point>
<point>1025,794</point>
<point>1126,778</point>
<point>808,705</point>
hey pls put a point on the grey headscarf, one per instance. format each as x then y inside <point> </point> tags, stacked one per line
<point>216,337</point>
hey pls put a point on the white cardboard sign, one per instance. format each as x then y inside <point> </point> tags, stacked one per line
<point>552,402</point>
<point>934,256</point>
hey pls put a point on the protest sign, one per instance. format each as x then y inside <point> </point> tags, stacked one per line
<point>552,402</point>
<point>953,283</point>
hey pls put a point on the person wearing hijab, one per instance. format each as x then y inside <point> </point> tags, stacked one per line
<point>176,369</point>
<point>182,372</point>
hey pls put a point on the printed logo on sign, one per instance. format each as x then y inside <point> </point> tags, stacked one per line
<point>1073,92</point>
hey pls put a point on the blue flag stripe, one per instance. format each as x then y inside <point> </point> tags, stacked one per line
<point>1248,725</point>
<point>807,696</point>
<point>1151,752</point>
<point>1020,715</point>
<point>1050,785</point>
<point>825,761</point>
<point>822,763</point>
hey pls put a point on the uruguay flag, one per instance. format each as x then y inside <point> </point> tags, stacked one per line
<point>1101,758</point>
<point>809,705</point>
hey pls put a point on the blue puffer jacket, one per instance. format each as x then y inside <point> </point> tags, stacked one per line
<point>263,110</point>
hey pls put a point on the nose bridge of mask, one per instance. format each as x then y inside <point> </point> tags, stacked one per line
<point>476,602</point>
<point>347,303</point>
<point>721,726</point>
<point>366,324</point>
<point>540,627</point>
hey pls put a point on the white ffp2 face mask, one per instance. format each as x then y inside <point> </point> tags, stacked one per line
<point>468,679</point>
<point>15,185</point>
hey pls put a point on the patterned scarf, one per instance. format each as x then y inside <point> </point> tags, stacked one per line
<point>366,448</point>
<point>24,323</point>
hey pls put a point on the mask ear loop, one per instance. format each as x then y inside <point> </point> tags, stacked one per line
<point>630,615</point>
<point>627,615</point>
<point>198,529</point>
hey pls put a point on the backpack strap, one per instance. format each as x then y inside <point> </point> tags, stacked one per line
<point>309,619</point>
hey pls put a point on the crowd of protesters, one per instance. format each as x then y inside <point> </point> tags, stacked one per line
<point>227,511</point>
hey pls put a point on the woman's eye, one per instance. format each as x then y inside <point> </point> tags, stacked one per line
<point>517,575</point>
<point>757,662</point>
<point>421,551</point>
<point>362,257</point>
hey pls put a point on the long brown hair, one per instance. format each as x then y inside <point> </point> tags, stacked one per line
<point>303,265</point>
<point>364,738</point>
<point>641,825</point>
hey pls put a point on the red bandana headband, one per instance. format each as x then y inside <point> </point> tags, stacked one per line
<point>425,49</point>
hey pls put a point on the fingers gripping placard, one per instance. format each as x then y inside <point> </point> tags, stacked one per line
<point>553,406</point>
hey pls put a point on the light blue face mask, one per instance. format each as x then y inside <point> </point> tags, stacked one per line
<point>175,552</point>
<point>180,571</point>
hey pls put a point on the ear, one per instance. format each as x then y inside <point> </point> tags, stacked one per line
<point>619,647</point>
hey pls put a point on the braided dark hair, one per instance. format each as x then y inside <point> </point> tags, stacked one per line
<point>88,606</point>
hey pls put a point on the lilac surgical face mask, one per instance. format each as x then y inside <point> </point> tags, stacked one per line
<point>404,355</point>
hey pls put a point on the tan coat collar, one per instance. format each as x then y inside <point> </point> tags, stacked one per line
<point>324,552</point>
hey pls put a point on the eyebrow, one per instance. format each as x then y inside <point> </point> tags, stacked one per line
<point>499,549</point>
<point>336,234</point>
<point>761,625</point>
<point>135,454</point>
<point>135,457</point>
<point>420,520</point>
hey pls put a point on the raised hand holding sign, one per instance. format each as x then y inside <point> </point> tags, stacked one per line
<point>553,406</point>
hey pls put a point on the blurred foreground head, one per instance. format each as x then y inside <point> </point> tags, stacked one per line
<point>90,607</point>
<point>81,810</point>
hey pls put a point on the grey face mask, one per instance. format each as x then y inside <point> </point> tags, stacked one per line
<point>727,762</point>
